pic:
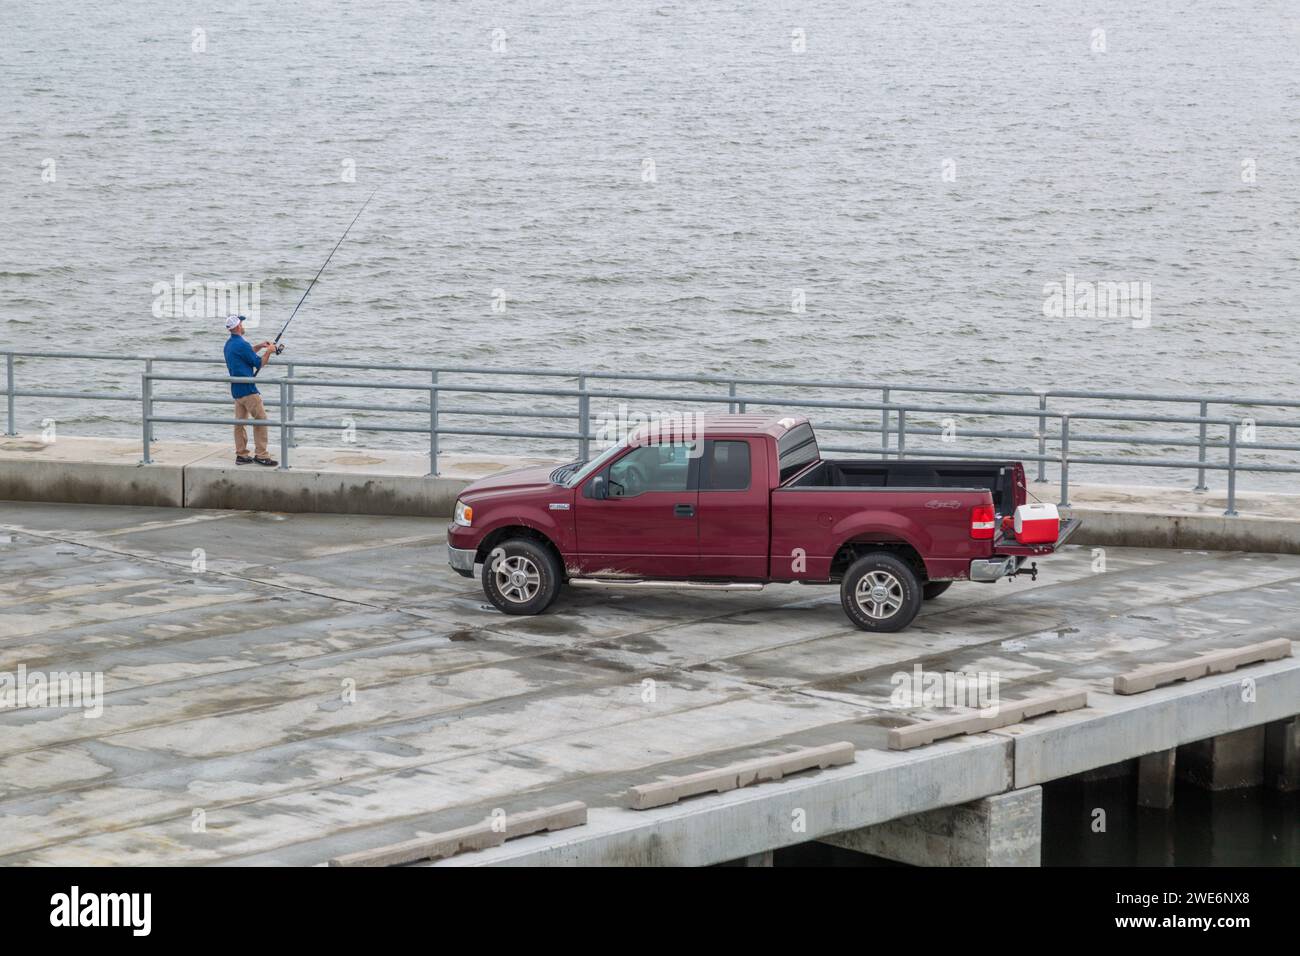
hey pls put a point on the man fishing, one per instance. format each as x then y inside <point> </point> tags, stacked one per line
<point>243,361</point>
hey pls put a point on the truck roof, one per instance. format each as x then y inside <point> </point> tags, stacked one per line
<point>717,426</point>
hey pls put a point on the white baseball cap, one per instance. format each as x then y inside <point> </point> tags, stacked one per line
<point>232,321</point>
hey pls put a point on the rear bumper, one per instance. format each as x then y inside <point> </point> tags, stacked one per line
<point>987,570</point>
<point>461,560</point>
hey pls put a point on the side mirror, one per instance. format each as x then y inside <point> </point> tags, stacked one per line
<point>599,489</point>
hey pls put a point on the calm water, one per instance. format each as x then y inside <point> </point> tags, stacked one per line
<point>524,169</point>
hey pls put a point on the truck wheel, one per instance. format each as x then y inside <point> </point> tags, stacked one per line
<point>521,576</point>
<point>880,593</point>
<point>932,589</point>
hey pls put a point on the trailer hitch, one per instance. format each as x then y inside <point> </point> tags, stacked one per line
<point>1032,571</point>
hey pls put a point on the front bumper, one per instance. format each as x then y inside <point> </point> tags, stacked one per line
<point>461,560</point>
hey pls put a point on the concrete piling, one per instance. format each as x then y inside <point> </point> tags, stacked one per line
<point>1005,829</point>
<point>1156,779</point>
<point>1282,754</point>
<point>1227,762</point>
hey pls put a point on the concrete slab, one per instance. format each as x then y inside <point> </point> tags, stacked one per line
<point>491,832</point>
<point>1215,662</point>
<point>663,792</point>
<point>324,684</point>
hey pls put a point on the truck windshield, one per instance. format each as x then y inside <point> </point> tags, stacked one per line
<point>796,449</point>
<point>595,464</point>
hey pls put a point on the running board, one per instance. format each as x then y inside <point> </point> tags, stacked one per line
<point>670,585</point>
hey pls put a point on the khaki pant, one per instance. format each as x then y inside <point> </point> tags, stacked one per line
<point>250,406</point>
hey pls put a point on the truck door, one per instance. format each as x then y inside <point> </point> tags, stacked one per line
<point>733,509</point>
<point>647,526</point>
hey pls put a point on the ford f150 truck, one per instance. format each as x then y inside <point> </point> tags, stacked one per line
<point>740,501</point>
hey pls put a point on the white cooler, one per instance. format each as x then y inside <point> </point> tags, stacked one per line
<point>1037,524</point>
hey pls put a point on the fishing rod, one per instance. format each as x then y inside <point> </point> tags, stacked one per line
<point>280,348</point>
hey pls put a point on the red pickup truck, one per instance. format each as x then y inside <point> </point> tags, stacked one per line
<point>737,502</point>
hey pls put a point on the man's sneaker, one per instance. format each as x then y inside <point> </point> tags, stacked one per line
<point>243,460</point>
<point>268,462</point>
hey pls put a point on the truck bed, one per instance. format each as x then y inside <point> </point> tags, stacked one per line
<point>999,478</point>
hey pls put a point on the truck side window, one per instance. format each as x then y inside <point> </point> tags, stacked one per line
<point>663,467</point>
<point>796,449</point>
<point>727,468</point>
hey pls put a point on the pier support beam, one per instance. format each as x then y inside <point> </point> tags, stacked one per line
<point>1282,754</point>
<point>758,859</point>
<point>1002,830</point>
<point>1227,762</point>
<point>1114,771</point>
<point>1156,779</point>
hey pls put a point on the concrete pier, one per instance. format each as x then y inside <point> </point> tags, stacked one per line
<point>1002,830</point>
<point>291,688</point>
<point>1226,762</point>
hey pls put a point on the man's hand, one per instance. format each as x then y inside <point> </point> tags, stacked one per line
<point>260,345</point>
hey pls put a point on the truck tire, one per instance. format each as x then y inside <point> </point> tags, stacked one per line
<point>932,589</point>
<point>521,576</point>
<point>880,593</point>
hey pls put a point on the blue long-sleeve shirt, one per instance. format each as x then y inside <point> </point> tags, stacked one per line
<point>242,362</point>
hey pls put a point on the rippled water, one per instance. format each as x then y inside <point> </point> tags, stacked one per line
<point>524,170</point>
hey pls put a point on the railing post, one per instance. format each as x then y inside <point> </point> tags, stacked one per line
<point>148,370</point>
<point>284,430</point>
<point>1200,472</point>
<point>146,413</point>
<point>9,384</point>
<point>1042,438</point>
<point>433,425</point>
<point>902,431</point>
<point>731,407</point>
<point>1065,462</point>
<point>1232,469</point>
<point>293,433</point>
<point>584,415</point>
<point>884,424</point>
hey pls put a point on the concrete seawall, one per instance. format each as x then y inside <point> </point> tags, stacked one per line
<point>204,475</point>
<point>386,482</point>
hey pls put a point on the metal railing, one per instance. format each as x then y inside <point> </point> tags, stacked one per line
<point>894,420</point>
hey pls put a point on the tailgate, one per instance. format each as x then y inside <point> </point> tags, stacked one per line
<point>1006,545</point>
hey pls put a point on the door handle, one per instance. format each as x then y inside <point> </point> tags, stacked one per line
<point>684,511</point>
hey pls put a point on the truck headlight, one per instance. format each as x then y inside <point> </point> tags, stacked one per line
<point>464,514</point>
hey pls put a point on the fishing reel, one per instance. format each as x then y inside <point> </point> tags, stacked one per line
<point>279,347</point>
